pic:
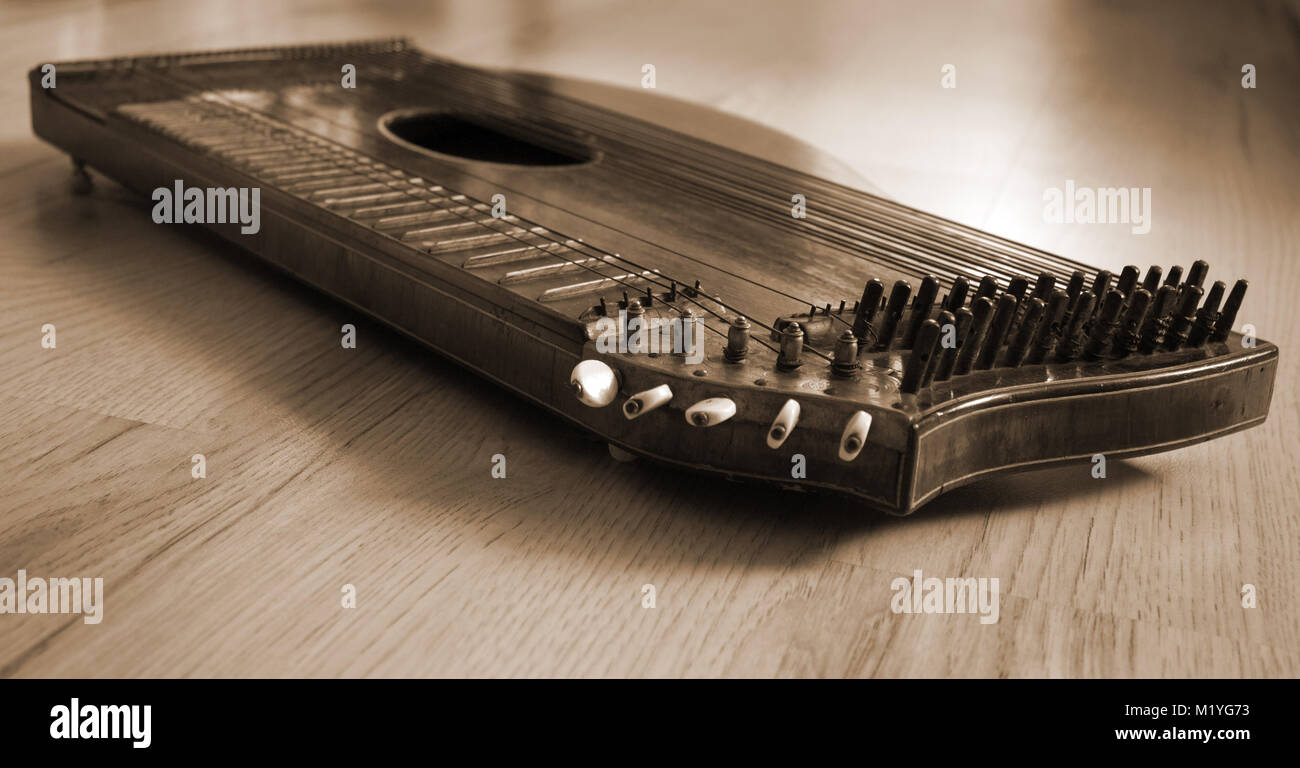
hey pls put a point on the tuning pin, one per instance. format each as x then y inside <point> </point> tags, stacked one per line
<point>957,295</point>
<point>1050,329</point>
<point>845,361</point>
<point>644,402</point>
<point>783,424</point>
<point>1071,309</point>
<point>737,348</point>
<point>1223,326</point>
<point>594,383</point>
<point>1128,278</point>
<point>1184,316</point>
<point>1157,323</point>
<point>947,324</point>
<point>1151,283</point>
<point>1175,276</point>
<point>1129,334</point>
<point>862,327</point>
<point>948,354</point>
<point>925,296</point>
<point>988,288</point>
<point>1025,335</point>
<point>998,328</point>
<point>688,330</point>
<point>1045,283</point>
<point>1099,286</point>
<point>981,315</point>
<point>1017,287</point>
<point>1072,288</point>
<point>893,312</point>
<point>1103,326</point>
<point>710,412</point>
<point>1207,315</point>
<point>635,328</point>
<point>855,435</point>
<point>927,340</point>
<point>1071,343</point>
<point>787,358</point>
<point>1196,274</point>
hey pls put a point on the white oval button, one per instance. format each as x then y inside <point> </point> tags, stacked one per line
<point>711,411</point>
<point>855,435</point>
<point>644,402</point>
<point>594,383</point>
<point>783,424</point>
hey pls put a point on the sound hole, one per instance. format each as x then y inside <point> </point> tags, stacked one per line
<point>488,141</point>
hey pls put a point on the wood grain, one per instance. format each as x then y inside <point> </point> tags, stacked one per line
<point>372,466</point>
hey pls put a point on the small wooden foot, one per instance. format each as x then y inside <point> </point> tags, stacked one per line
<point>619,454</point>
<point>81,183</point>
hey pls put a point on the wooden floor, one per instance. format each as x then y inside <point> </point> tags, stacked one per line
<point>371,467</point>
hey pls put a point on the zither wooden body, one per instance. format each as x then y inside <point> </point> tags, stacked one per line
<point>535,237</point>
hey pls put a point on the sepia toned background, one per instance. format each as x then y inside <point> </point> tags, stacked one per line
<point>371,466</point>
